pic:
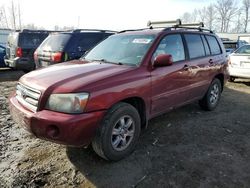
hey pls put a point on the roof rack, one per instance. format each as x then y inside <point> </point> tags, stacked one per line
<point>93,30</point>
<point>177,24</point>
<point>159,23</point>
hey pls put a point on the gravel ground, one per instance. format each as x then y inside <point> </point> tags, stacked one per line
<point>187,147</point>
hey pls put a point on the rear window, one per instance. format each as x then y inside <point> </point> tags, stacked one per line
<point>214,45</point>
<point>31,40</point>
<point>195,45</point>
<point>55,42</point>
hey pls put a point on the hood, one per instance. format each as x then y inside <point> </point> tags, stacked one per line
<point>71,76</point>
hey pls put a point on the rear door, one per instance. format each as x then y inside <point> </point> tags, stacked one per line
<point>200,64</point>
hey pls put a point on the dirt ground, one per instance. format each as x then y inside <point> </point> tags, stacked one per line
<point>187,148</point>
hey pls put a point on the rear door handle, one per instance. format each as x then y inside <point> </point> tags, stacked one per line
<point>210,61</point>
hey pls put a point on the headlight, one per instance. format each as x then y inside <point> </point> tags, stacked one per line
<point>68,103</point>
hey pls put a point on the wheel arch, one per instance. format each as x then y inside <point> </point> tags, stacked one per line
<point>140,105</point>
<point>221,78</point>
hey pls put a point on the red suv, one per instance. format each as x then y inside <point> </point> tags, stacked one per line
<point>107,96</point>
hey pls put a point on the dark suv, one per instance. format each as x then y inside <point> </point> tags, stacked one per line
<point>106,97</point>
<point>65,46</point>
<point>21,46</point>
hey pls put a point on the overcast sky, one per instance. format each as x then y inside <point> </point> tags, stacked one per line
<point>102,14</point>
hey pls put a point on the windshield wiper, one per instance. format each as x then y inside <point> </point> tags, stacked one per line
<point>106,61</point>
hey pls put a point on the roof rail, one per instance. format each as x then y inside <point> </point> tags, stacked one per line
<point>35,31</point>
<point>123,31</point>
<point>94,30</point>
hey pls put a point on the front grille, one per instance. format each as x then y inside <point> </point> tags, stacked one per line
<point>27,96</point>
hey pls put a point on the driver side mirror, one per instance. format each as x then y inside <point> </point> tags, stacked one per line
<point>163,60</point>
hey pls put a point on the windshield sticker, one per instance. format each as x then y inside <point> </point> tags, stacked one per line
<point>141,41</point>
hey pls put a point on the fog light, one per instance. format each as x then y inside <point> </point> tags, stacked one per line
<point>53,131</point>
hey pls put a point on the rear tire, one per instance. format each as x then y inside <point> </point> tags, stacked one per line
<point>118,133</point>
<point>212,97</point>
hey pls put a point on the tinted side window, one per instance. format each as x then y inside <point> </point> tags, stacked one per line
<point>171,44</point>
<point>195,45</point>
<point>205,45</point>
<point>214,45</point>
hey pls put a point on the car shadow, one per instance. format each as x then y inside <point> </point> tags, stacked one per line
<point>7,74</point>
<point>187,147</point>
<point>243,81</point>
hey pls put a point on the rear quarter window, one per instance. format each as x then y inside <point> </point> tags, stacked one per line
<point>214,45</point>
<point>195,45</point>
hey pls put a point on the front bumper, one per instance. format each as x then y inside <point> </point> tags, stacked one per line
<point>68,129</point>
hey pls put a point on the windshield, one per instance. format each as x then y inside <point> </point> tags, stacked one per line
<point>55,42</point>
<point>122,49</point>
<point>243,50</point>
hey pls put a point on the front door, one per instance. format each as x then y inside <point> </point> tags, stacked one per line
<point>170,84</point>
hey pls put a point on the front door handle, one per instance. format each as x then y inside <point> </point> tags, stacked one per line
<point>186,67</point>
<point>210,61</point>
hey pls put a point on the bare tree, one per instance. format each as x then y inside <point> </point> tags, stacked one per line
<point>202,14</point>
<point>226,10</point>
<point>246,6</point>
<point>3,18</point>
<point>186,17</point>
<point>211,16</point>
<point>13,14</point>
<point>238,23</point>
<point>190,17</point>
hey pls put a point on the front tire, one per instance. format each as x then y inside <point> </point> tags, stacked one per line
<point>118,133</point>
<point>212,97</point>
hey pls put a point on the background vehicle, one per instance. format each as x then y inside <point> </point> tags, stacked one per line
<point>231,45</point>
<point>2,54</point>
<point>108,96</point>
<point>239,63</point>
<point>65,46</point>
<point>21,46</point>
